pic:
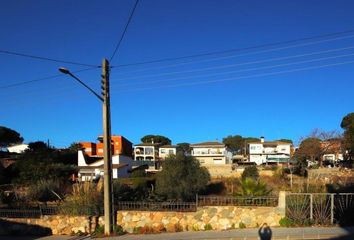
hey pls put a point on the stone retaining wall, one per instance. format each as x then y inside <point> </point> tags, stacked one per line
<point>205,218</point>
<point>216,218</point>
<point>58,224</point>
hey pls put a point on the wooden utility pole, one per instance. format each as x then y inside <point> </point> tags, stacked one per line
<point>108,191</point>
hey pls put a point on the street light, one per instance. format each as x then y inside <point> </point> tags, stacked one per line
<point>107,183</point>
<point>66,71</point>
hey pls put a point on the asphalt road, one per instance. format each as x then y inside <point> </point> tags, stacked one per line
<point>335,233</point>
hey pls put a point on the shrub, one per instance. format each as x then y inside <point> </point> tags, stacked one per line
<point>251,187</point>
<point>250,172</point>
<point>45,190</point>
<point>181,178</point>
<point>241,225</point>
<point>117,230</point>
<point>208,227</point>
<point>286,222</point>
<point>86,199</point>
<point>138,173</point>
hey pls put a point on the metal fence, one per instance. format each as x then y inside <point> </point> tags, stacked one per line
<point>28,212</point>
<point>320,208</point>
<point>158,206</point>
<point>265,201</point>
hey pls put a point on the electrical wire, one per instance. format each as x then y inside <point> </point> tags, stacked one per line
<point>45,58</point>
<point>57,94</point>
<point>42,79</point>
<point>234,50</point>
<point>242,77</point>
<point>259,46</point>
<point>245,54</point>
<point>242,70</point>
<point>125,30</point>
<point>231,65</point>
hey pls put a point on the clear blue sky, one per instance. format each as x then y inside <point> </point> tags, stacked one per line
<point>279,91</point>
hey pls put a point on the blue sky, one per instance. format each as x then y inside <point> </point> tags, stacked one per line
<point>277,91</point>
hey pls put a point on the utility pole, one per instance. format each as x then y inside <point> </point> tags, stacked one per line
<point>107,178</point>
<point>108,191</point>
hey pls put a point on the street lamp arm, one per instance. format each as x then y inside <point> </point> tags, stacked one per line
<point>66,71</point>
<point>84,84</point>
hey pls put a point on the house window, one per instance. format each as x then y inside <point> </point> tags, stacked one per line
<point>149,151</point>
<point>170,152</point>
<point>163,150</point>
<point>253,147</point>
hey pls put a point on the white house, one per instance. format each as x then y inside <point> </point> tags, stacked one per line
<point>272,151</point>
<point>146,152</point>
<point>19,148</point>
<point>121,166</point>
<point>210,153</point>
<point>167,150</point>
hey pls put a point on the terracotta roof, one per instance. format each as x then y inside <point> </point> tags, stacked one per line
<point>203,144</point>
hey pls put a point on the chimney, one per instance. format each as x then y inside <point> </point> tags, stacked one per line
<point>262,139</point>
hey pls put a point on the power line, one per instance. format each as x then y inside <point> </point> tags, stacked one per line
<point>234,50</point>
<point>242,77</point>
<point>45,58</point>
<point>125,30</point>
<point>43,78</point>
<point>232,65</point>
<point>244,70</point>
<point>51,96</point>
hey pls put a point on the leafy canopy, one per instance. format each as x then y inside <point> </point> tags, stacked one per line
<point>9,136</point>
<point>40,162</point>
<point>181,178</point>
<point>237,143</point>
<point>348,125</point>
<point>157,139</point>
<point>310,148</point>
<point>185,147</point>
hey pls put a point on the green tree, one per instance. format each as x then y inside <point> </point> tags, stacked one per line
<point>185,147</point>
<point>40,162</point>
<point>181,178</point>
<point>237,143</point>
<point>234,143</point>
<point>309,149</point>
<point>157,139</point>
<point>348,125</point>
<point>8,137</point>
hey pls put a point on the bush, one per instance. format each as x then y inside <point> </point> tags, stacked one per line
<point>208,227</point>
<point>86,199</point>
<point>241,225</point>
<point>45,190</point>
<point>117,230</point>
<point>138,173</point>
<point>285,222</point>
<point>251,187</point>
<point>181,178</point>
<point>250,172</point>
